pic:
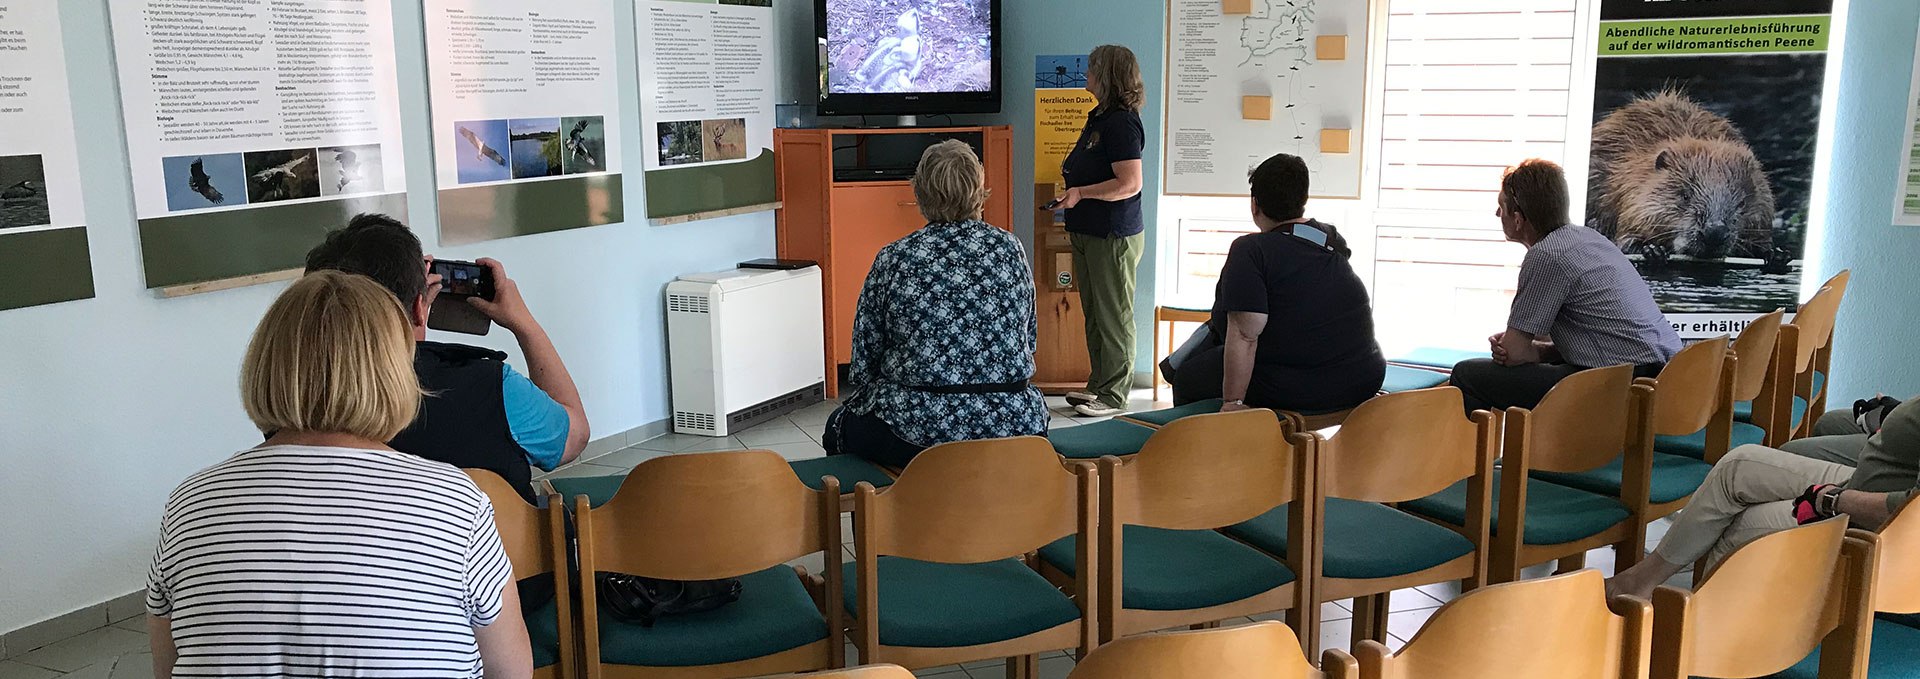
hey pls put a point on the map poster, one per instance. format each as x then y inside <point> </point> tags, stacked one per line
<point>1906,204</point>
<point>1061,103</point>
<point>706,105</point>
<point>43,239</point>
<point>255,128</point>
<point>1706,122</point>
<point>526,116</point>
<point>1247,79</point>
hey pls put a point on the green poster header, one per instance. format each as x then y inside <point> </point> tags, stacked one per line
<point>1744,35</point>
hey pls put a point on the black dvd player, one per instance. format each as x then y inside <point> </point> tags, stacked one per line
<point>872,174</point>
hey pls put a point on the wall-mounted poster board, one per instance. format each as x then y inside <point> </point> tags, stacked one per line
<point>1906,204</point>
<point>1250,78</point>
<point>526,116</point>
<point>707,106</point>
<point>254,128</point>
<point>1061,103</point>
<point>43,239</point>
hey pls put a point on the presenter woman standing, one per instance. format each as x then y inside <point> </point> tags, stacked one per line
<point>1104,220</point>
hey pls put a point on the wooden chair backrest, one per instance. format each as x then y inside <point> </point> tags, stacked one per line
<point>1262,650</point>
<point>1766,607</point>
<point>1839,285</point>
<point>1582,423</point>
<point>526,531</point>
<point>1404,446</point>
<point>1688,391</point>
<point>1208,471</point>
<point>862,672</point>
<point>1560,626</point>
<point>1755,347</point>
<point>709,515</point>
<point>1897,578</point>
<point>975,501</point>
<point>1815,321</point>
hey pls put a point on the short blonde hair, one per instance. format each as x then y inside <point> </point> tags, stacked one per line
<point>950,184</point>
<point>334,354</point>
<point>1116,75</point>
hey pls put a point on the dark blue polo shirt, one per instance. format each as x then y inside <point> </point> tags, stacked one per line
<point>1110,137</point>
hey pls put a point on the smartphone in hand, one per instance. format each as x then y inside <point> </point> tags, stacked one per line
<point>458,281</point>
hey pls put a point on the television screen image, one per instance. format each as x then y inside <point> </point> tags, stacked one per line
<point>909,46</point>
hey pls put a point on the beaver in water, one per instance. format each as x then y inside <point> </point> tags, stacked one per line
<point>1670,177</point>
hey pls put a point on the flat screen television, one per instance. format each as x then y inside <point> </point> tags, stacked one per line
<point>908,57</point>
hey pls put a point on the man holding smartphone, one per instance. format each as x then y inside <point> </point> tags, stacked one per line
<point>479,413</point>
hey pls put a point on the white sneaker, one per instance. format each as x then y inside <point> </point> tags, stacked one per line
<point>1098,409</point>
<point>1075,398</point>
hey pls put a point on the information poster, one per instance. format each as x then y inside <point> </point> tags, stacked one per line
<point>43,239</point>
<point>253,128</point>
<point>1706,122</point>
<point>526,116</point>
<point>1906,205</point>
<point>1247,79</point>
<point>1061,103</point>
<point>707,105</point>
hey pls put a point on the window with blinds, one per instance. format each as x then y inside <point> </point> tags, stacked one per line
<point>1470,87</point>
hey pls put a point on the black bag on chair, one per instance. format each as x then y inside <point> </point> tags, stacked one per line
<point>641,601</point>
<point>1200,340</point>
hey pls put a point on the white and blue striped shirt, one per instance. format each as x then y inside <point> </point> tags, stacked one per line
<point>309,561</point>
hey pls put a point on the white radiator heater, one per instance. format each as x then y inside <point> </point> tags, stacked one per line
<point>746,346</point>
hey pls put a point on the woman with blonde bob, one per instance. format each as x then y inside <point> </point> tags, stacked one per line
<point>944,335</point>
<point>323,551</point>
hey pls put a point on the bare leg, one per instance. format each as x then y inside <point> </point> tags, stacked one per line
<point>1642,578</point>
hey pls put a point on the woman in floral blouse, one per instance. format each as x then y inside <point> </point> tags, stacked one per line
<point>944,335</point>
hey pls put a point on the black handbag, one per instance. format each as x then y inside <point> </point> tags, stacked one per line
<point>1201,340</point>
<point>641,601</point>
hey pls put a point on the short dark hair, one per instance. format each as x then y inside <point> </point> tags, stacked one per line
<point>1280,187</point>
<point>1537,190</point>
<point>378,247</point>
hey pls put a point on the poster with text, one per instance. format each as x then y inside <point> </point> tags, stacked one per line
<point>1061,103</point>
<point>1269,78</point>
<point>43,237</point>
<point>1706,121</point>
<point>254,128</point>
<point>706,100</point>
<point>1906,199</point>
<point>526,114</point>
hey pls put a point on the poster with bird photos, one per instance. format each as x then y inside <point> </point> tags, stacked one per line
<point>39,167</point>
<point>249,106</point>
<point>706,93</point>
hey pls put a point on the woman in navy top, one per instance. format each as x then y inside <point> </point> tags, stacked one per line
<point>1104,221</point>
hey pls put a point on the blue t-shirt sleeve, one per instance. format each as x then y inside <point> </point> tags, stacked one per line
<point>539,424</point>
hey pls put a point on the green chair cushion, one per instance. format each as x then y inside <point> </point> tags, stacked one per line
<point>1674,477</point>
<point>543,629</point>
<point>1401,378</point>
<point>1192,309</point>
<point>1436,357</point>
<point>598,489</point>
<point>1181,570</point>
<point>1364,540</point>
<point>1161,418</point>
<point>774,614</point>
<point>849,469</point>
<point>1091,441</point>
<point>1819,383</point>
<point>937,605</point>
<point>1743,411</point>
<point>1895,654</point>
<point>1694,445</point>
<point>1555,514</point>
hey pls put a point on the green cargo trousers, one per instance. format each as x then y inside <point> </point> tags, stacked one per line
<point>1105,270</point>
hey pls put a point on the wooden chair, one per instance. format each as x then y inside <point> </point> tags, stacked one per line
<point>862,672</point>
<point>1301,421</point>
<point>1162,564</point>
<point>710,516</point>
<point>1768,605</point>
<point>1823,362</point>
<point>1562,627</point>
<point>1762,381</point>
<point>1693,405</point>
<point>1165,317</point>
<point>1580,431</point>
<point>535,539</point>
<point>1896,595</point>
<point>1262,650</point>
<point>941,572</point>
<point>1394,449</point>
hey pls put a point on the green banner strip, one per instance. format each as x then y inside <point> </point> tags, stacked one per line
<point>44,267</point>
<point>212,246</point>
<point>710,188</point>
<point>1744,35</point>
<point>482,213</point>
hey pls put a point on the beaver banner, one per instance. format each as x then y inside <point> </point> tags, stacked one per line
<point>1706,118</point>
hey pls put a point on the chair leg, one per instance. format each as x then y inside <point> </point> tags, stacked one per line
<point>1156,360</point>
<point>1370,618</point>
<point>1023,667</point>
<point>1571,563</point>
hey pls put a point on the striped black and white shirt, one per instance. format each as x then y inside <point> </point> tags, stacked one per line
<point>308,561</point>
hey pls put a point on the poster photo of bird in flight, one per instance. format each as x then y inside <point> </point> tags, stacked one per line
<point>480,151</point>
<point>290,174</point>
<point>207,181</point>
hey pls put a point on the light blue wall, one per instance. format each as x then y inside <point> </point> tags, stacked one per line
<point>1879,324</point>
<point>1036,27</point>
<point>105,404</point>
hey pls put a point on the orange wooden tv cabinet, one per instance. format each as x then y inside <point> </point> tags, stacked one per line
<point>845,195</point>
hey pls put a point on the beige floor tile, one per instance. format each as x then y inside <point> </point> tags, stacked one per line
<point>628,458</point>
<point>816,432</point>
<point>943,671</point>
<point>672,443</point>
<point>136,623</point>
<point>580,469</point>
<point>715,445</point>
<point>134,666</point>
<point>14,670</point>
<point>1411,599</point>
<point>1406,624</point>
<point>101,645</point>
<point>797,451</point>
<point>1336,634</point>
<point>779,431</point>
<point>1057,667</point>
<point>814,415</point>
